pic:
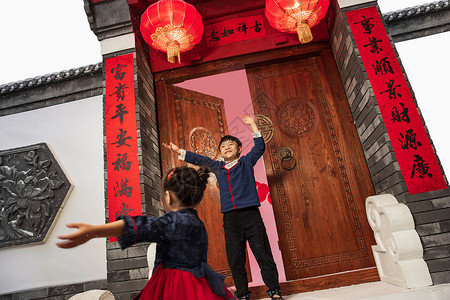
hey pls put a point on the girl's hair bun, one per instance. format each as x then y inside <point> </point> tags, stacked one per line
<point>203,173</point>
<point>188,184</point>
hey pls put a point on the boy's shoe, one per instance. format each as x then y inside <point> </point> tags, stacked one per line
<point>244,297</point>
<point>275,294</point>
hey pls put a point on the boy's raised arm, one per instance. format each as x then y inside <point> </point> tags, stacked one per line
<point>249,120</point>
<point>258,149</point>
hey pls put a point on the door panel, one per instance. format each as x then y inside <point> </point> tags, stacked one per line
<point>196,122</point>
<point>318,195</point>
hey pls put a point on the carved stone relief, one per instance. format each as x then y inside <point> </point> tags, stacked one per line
<point>398,252</point>
<point>33,190</point>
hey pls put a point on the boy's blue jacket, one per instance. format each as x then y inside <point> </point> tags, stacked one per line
<point>236,179</point>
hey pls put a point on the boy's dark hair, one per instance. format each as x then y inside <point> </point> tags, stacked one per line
<point>188,184</point>
<point>226,138</point>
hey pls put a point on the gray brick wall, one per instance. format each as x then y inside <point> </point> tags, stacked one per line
<point>127,270</point>
<point>121,264</point>
<point>148,138</point>
<point>431,211</point>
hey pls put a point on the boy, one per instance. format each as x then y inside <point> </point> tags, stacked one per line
<point>239,203</point>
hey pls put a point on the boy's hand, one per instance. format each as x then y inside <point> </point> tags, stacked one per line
<point>172,147</point>
<point>248,119</point>
<point>79,237</point>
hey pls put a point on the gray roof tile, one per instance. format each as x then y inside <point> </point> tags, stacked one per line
<point>49,78</point>
<point>416,11</point>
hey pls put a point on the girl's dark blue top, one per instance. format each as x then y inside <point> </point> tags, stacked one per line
<point>180,236</point>
<point>182,243</point>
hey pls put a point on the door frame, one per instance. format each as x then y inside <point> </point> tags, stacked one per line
<point>240,62</point>
<point>243,62</point>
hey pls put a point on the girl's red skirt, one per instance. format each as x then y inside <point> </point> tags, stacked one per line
<point>174,284</point>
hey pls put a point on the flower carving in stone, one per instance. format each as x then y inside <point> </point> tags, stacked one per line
<point>33,188</point>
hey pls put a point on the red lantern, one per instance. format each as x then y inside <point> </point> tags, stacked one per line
<point>172,26</point>
<point>296,16</point>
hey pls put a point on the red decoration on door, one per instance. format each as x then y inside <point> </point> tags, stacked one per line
<point>124,193</point>
<point>263,192</point>
<point>409,139</point>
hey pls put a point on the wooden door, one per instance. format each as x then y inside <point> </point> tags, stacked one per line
<point>318,195</point>
<point>196,122</point>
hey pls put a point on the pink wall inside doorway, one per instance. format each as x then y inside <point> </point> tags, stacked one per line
<point>233,88</point>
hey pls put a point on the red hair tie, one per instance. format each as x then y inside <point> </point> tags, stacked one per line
<point>170,174</point>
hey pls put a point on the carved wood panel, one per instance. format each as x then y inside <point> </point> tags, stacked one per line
<point>319,204</point>
<point>196,122</point>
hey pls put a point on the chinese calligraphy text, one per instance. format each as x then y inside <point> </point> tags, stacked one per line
<point>124,196</point>
<point>234,30</point>
<point>407,134</point>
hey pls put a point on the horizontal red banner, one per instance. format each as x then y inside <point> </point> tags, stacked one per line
<point>235,30</point>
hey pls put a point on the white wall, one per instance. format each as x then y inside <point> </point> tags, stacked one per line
<point>74,132</point>
<point>426,62</point>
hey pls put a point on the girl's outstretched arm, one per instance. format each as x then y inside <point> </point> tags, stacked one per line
<point>86,232</point>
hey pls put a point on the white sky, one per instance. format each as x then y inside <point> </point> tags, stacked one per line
<point>46,36</point>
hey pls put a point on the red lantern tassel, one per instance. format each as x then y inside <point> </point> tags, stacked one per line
<point>173,50</point>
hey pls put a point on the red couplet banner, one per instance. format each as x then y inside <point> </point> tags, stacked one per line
<point>409,139</point>
<point>124,193</point>
<point>234,30</point>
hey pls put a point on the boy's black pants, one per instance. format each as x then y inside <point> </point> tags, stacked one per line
<point>247,225</point>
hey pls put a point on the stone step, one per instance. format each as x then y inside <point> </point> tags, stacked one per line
<point>376,291</point>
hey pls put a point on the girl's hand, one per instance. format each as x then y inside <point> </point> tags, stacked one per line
<point>172,147</point>
<point>248,119</point>
<point>79,237</point>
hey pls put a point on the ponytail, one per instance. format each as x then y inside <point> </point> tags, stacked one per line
<point>188,184</point>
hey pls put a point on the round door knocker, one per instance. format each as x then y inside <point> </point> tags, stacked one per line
<point>286,155</point>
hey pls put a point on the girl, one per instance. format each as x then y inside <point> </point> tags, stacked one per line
<point>181,271</point>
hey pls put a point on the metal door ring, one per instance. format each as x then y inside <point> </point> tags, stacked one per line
<point>286,155</point>
<point>287,167</point>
